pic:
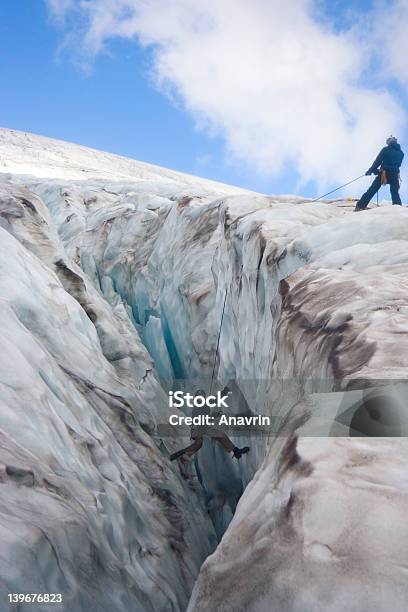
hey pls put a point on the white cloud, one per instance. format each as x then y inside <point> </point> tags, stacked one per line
<point>283,89</point>
<point>59,8</point>
<point>390,36</point>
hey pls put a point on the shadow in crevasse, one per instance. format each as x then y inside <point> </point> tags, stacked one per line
<point>379,413</point>
<point>377,416</point>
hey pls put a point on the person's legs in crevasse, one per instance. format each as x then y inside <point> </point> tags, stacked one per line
<point>223,439</point>
<point>371,191</point>
<point>393,178</point>
<point>189,450</point>
<point>194,447</point>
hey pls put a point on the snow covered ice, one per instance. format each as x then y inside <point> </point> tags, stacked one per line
<point>113,278</point>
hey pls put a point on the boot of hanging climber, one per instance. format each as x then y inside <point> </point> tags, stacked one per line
<point>177,454</point>
<point>238,452</point>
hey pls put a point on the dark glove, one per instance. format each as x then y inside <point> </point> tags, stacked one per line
<point>369,171</point>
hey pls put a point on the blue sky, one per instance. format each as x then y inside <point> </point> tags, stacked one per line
<point>105,97</point>
<point>112,107</point>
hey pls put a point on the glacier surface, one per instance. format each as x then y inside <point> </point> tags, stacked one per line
<point>113,278</point>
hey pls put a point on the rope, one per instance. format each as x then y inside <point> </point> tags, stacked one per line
<point>337,188</point>
<point>218,340</point>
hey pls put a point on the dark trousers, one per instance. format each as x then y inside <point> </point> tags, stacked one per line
<point>393,180</point>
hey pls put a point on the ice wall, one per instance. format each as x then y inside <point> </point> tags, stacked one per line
<point>320,305</point>
<point>90,505</point>
<point>112,289</point>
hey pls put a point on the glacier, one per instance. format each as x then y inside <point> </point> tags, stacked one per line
<point>114,275</point>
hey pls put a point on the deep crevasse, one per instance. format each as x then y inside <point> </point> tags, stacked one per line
<point>154,258</point>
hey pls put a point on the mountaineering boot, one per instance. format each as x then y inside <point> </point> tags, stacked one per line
<point>177,454</point>
<point>238,452</point>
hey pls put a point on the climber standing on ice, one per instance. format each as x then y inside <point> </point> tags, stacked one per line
<point>387,168</point>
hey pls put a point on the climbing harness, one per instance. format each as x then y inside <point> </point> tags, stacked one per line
<point>384,178</point>
<point>337,188</point>
<point>218,340</point>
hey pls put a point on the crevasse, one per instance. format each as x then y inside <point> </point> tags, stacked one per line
<point>112,288</point>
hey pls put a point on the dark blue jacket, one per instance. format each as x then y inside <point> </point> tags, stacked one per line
<point>389,158</point>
